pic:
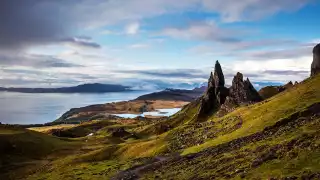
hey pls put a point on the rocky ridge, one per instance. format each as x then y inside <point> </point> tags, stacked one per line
<point>270,91</point>
<point>219,98</point>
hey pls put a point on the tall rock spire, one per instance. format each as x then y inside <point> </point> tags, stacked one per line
<point>209,102</point>
<point>218,75</point>
<point>315,67</point>
<point>216,93</point>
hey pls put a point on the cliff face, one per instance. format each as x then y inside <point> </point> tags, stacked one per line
<point>315,67</point>
<point>219,97</point>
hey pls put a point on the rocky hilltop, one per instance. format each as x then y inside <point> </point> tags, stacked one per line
<point>269,91</point>
<point>174,95</point>
<point>315,67</point>
<point>218,97</point>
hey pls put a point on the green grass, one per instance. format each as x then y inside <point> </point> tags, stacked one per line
<point>20,146</point>
<point>256,117</point>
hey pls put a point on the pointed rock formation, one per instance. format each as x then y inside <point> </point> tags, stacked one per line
<point>216,93</point>
<point>220,99</point>
<point>243,92</point>
<point>288,85</point>
<point>315,67</point>
<point>209,102</point>
<point>221,91</point>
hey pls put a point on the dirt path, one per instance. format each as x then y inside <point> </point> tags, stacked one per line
<point>135,172</point>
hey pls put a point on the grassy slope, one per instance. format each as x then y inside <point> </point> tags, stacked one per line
<point>256,117</point>
<point>103,156</point>
<point>226,153</point>
<point>20,147</point>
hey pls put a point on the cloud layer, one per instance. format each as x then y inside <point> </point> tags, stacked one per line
<point>74,38</point>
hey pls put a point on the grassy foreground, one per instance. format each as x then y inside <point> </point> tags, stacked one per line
<point>278,138</point>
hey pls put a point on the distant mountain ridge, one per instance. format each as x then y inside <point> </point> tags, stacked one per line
<point>174,94</point>
<point>83,88</point>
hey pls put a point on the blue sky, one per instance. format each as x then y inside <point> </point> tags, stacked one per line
<point>150,44</point>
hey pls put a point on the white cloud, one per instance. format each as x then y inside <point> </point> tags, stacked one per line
<point>139,46</point>
<point>235,10</point>
<point>276,70</point>
<point>132,28</point>
<point>100,13</point>
<point>203,31</point>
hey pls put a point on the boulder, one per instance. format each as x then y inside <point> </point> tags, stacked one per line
<point>315,66</point>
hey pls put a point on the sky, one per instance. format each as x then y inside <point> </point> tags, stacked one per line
<point>154,44</point>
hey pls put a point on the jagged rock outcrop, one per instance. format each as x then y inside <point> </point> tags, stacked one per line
<point>243,92</point>
<point>216,93</point>
<point>315,67</point>
<point>209,102</point>
<point>221,91</point>
<point>220,99</point>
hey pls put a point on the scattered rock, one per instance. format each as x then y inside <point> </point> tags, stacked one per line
<point>315,66</point>
<point>121,133</point>
<point>264,157</point>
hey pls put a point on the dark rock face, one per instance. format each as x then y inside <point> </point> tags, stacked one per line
<point>219,98</point>
<point>220,91</point>
<point>209,102</point>
<point>216,93</point>
<point>315,67</point>
<point>243,92</point>
<point>218,75</point>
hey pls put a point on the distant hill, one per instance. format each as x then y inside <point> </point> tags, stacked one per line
<point>84,88</point>
<point>174,94</point>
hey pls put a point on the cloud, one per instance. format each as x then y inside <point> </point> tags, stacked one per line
<point>232,49</point>
<point>139,46</point>
<point>288,53</point>
<point>168,73</point>
<point>33,22</point>
<point>132,28</point>
<point>203,32</point>
<point>35,60</point>
<point>81,42</point>
<point>102,13</point>
<point>234,10</point>
<point>30,22</point>
<point>264,49</point>
<point>287,72</point>
<point>26,77</point>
